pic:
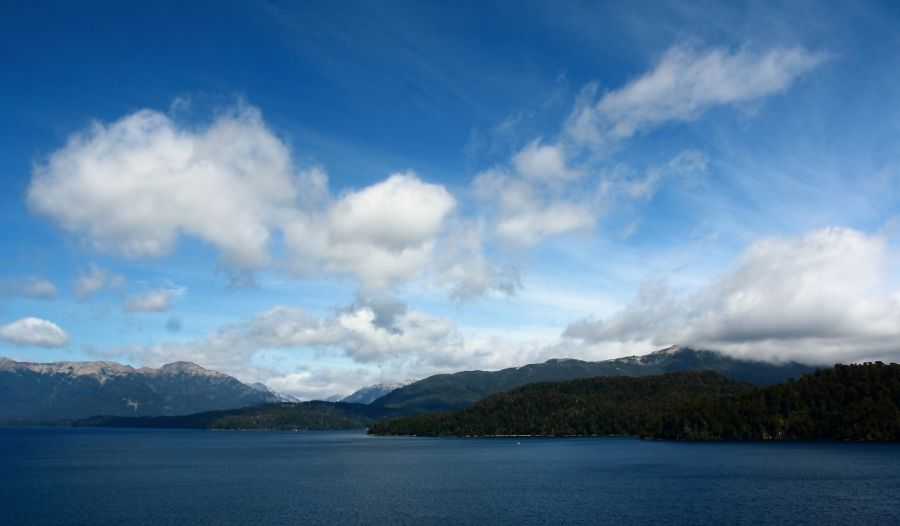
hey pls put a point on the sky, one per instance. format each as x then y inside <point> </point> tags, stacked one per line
<point>321,196</point>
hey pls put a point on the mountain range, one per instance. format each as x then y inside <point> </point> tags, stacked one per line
<point>446,392</point>
<point>36,392</point>
<point>70,390</point>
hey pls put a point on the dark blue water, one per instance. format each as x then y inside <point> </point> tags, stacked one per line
<point>95,476</point>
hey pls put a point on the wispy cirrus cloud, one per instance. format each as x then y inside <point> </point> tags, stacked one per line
<point>158,300</point>
<point>544,162</point>
<point>95,280</point>
<point>468,271</point>
<point>685,83</point>
<point>32,287</point>
<point>525,212</point>
<point>551,188</point>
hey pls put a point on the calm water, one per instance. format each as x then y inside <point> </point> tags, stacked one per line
<point>93,476</point>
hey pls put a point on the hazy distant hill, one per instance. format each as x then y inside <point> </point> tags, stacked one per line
<point>453,391</point>
<point>315,415</point>
<point>71,390</point>
<point>370,393</point>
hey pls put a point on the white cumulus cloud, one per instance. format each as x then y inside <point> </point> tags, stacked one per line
<point>34,332</point>
<point>382,235</point>
<point>398,213</point>
<point>135,185</point>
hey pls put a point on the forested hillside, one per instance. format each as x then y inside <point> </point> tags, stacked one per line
<point>445,392</point>
<point>847,402</point>
<point>616,405</point>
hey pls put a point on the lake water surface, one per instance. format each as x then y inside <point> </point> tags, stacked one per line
<point>137,477</point>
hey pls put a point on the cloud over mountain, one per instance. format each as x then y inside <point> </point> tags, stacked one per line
<point>368,333</point>
<point>817,298</point>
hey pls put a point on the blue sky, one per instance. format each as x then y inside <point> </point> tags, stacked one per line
<point>326,196</point>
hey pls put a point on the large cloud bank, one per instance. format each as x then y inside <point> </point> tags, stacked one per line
<point>817,298</point>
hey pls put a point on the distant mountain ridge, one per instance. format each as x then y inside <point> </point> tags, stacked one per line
<point>370,393</point>
<point>445,392</point>
<point>72,390</point>
<point>279,397</point>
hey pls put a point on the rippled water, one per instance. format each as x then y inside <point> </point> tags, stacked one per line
<point>98,476</point>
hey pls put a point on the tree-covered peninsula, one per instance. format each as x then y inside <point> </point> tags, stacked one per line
<point>315,415</point>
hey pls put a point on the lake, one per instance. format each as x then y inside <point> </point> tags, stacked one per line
<point>138,477</point>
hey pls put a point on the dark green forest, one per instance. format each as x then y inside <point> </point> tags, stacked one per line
<point>847,402</point>
<point>614,405</point>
